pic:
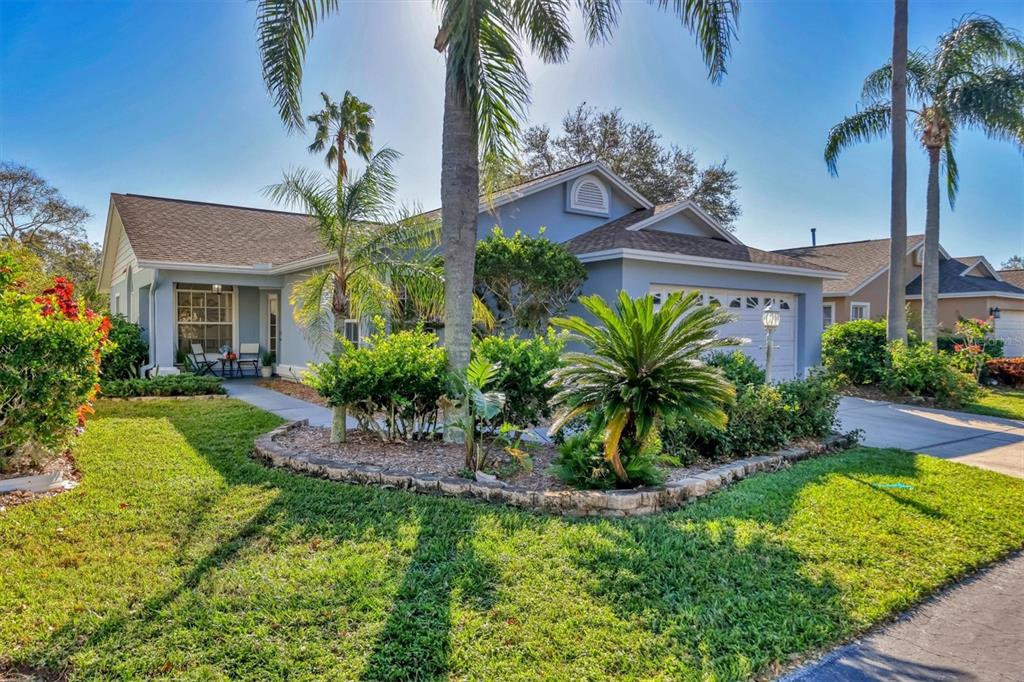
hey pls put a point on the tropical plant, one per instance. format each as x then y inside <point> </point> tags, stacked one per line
<point>969,354</point>
<point>377,251</point>
<point>486,92</point>
<point>341,125</point>
<point>268,358</point>
<point>474,412</point>
<point>643,365</point>
<point>973,78</point>
<point>525,280</point>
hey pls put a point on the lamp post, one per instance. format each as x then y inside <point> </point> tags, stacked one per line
<point>771,319</point>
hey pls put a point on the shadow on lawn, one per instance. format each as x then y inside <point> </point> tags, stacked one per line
<point>698,578</point>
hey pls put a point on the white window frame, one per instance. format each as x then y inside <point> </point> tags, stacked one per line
<point>832,307</point>
<point>231,290</point>
<point>605,196</point>
<point>117,304</point>
<point>867,310</point>
<point>274,329</point>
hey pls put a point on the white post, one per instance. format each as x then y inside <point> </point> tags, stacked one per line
<point>768,357</point>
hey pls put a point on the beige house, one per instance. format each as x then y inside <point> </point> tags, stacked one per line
<point>969,287</point>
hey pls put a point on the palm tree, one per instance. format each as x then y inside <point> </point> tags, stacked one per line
<point>974,78</point>
<point>376,251</point>
<point>486,92</point>
<point>339,125</point>
<point>642,365</point>
<point>896,315</point>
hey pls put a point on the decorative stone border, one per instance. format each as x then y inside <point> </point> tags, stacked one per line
<point>612,503</point>
<point>203,396</point>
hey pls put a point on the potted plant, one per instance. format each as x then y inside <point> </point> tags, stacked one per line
<point>181,360</point>
<point>267,360</point>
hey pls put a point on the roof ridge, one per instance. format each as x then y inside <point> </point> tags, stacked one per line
<point>855,241</point>
<point>541,176</point>
<point>207,203</point>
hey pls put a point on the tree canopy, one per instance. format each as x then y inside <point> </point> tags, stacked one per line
<point>1014,262</point>
<point>634,150</point>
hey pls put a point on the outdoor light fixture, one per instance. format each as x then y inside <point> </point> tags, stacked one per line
<point>217,288</point>
<point>994,313</point>
<point>771,319</point>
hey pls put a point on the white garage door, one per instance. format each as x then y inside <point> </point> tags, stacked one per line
<point>746,308</point>
<point>1010,328</point>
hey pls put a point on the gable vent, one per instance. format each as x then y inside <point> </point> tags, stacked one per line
<point>589,194</point>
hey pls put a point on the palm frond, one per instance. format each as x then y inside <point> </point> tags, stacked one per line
<point>600,17</point>
<point>283,31</point>
<point>869,123</point>
<point>992,100</point>
<point>311,300</point>
<point>310,193</point>
<point>545,24</point>
<point>952,172</point>
<point>500,88</point>
<point>714,23</point>
<point>975,41</point>
<point>369,196</point>
<point>878,85</point>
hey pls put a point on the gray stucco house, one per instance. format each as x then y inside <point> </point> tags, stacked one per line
<point>214,274</point>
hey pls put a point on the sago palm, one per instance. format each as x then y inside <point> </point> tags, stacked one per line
<point>642,365</point>
<point>340,126</point>
<point>376,250</point>
<point>486,92</point>
<point>974,78</point>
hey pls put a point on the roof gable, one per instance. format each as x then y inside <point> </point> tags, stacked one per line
<point>684,217</point>
<point>862,261</point>
<point>560,177</point>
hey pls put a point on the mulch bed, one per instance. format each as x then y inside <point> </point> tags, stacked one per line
<point>293,389</point>
<point>437,458</point>
<point>65,464</point>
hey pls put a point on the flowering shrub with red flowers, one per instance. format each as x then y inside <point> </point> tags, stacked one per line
<point>50,350</point>
<point>1009,371</point>
<point>971,356</point>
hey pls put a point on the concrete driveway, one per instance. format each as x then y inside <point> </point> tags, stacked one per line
<point>986,442</point>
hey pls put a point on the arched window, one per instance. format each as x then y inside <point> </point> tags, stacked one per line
<point>588,194</point>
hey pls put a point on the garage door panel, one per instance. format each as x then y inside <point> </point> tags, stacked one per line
<point>1010,329</point>
<point>746,307</point>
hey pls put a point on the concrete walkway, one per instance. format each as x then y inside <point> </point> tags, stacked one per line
<point>282,405</point>
<point>986,442</point>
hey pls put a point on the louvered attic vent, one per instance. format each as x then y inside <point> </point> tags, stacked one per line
<point>589,194</point>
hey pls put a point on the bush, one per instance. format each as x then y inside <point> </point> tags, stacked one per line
<point>167,385</point>
<point>50,353</point>
<point>524,369</point>
<point>397,376</point>
<point>992,347</point>
<point>737,367</point>
<point>921,371</point>
<point>581,463</point>
<point>1008,371</point>
<point>855,351</point>
<point>127,353</point>
<point>763,417</point>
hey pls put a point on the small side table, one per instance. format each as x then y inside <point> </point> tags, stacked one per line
<point>230,368</point>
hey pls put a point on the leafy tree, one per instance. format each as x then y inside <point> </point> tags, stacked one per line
<point>341,125</point>
<point>1013,263</point>
<point>642,366</point>
<point>525,280</point>
<point>377,250</point>
<point>486,92</point>
<point>974,78</point>
<point>635,151</point>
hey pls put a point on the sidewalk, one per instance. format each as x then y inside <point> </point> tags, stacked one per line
<point>282,405</point>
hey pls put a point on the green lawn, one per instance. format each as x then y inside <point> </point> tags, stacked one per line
<point>1000,402</point>
<point>179,556</point>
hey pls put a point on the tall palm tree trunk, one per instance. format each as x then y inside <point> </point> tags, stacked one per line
<point>460,174</point>
<point>340,310</point>
<point>897,315</point>
<point>930,274</point>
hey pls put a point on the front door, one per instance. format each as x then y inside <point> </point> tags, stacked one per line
<point>273,325</point>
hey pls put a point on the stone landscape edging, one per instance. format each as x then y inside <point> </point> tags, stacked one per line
<point>610,503</point>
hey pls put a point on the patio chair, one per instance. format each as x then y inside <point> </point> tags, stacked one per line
<point>249,354</point>
<point>200,361</point>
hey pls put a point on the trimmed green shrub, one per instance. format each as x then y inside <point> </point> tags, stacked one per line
<point>398,377</point>
<point>921,371</point>
<point>737,367</point>
<point>127,353</point>
<point>811,406</point>
<point>524,369</point>
<point>855,351</point>
<point>166,386</point>
<point>49,364</point>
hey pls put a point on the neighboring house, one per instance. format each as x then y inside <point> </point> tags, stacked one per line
<point>969,287</point>
<point>193,272</point>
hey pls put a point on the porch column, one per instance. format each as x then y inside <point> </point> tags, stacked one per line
<point>161,336</point>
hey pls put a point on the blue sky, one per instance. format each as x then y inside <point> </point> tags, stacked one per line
<point>166,98</point>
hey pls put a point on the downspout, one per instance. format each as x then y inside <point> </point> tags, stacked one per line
<point>146,368</point>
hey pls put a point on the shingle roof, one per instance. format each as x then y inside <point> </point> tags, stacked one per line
<point>951,281</point>
<point>615,235</point>
<point>860,260</point>
<point>182,231</point>
<point>1014,277</point>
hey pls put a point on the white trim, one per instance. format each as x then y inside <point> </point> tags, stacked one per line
<point>977,294</point>
<point>701,261</point>
<point>292,372</point>
<point>688,205</point>
<point>867,310</point>
<point>832,305</point>
<point>261,269</point>
<point>234,310</point>
<point>559,178</point>
<point>572,197</point>
<point>991,270</point>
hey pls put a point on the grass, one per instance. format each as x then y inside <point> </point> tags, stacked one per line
<point>999,402</point>
<point>179,556</point>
